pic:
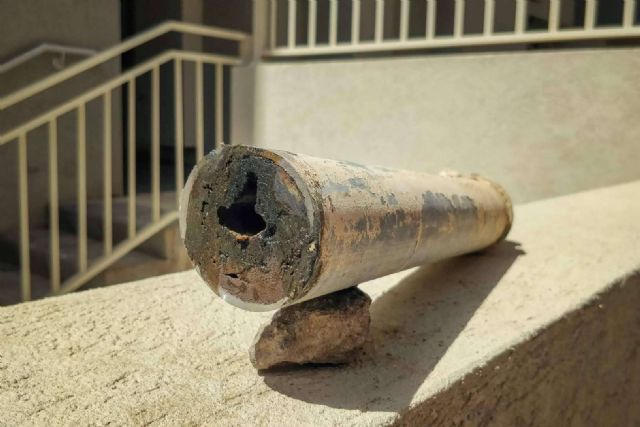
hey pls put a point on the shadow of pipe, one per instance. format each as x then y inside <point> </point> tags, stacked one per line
<point>412,326</point>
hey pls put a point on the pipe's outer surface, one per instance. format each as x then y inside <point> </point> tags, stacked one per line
<point>271,228</point>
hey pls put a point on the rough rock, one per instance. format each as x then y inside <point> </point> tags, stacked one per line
<point>328,329</point>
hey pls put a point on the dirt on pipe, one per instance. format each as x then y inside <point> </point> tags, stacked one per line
<point>267,229</point>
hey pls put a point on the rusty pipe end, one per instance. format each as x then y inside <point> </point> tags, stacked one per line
<point>506,201</point>
<point>248,227</point>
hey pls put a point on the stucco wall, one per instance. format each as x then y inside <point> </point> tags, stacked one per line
<point>542,123</point>
<point>25,24</point>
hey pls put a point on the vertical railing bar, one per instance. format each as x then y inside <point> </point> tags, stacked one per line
<point>629,13</point>
<point>430,32</point>
<point>273,24</point>
<point>311,25</point>
<point>107,225</point>
<point>82,187</point>
<point>179,129</point>
<point>521,16</point>
<point>458,19</point>
<point>219,122</point>
<point>131,158</point>
<point>590,14</point>
<point>155,144</point>
<point>355,21</point>
<point>379,24</point>
<point>333,22</point>
<point>489,11</point>
<point>291,24</point>
<point>199,95</point>
<point>554,15</point>
<point>54,222</point>
<point>404,19</point>
<point>23,201</point>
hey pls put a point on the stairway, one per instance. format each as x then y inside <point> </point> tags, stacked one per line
<point>162,253</point>
<point>97,107</point>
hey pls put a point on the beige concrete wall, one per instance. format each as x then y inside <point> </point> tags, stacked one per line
<point>542,123</point>
<point>25,24</point>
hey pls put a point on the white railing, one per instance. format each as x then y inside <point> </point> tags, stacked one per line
<point>59,49</point>
<point>295,30</point>
<point>124,82</point>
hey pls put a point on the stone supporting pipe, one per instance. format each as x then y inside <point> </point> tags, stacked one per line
<point>266,229</point>
<point>331,329</point>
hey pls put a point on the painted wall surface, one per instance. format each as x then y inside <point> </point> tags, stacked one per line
<point>25,24</point>
<point>541,123</point>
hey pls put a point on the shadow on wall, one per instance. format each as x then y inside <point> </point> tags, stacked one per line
<point>412,327</point>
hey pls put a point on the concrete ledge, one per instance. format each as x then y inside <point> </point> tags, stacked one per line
<point>542,329</point>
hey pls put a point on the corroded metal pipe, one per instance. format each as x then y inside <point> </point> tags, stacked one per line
<point>271,228</point>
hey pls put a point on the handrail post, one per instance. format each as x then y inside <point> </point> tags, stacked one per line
<point>107,166</point>
<point>199,116</point>
<point>333,22</point>
<point>81,132</point>
<point>312,22</point>
<point>629,13</point>
<point>131,158</point>
<point>554,16</point>
<point>489,11</point>
<point>23,200</point>
<point>379,22</point>
<point>458,18</point>
<point>273,23</point>
<point>177,75</point>
<point>590,14</point>
<point>355,21</point>
<point>219,106</point>
<point>404,19</point>
<point>291,24</point>
<point>430,31</point>
<point>54,223</point>
<point>155,144</point>
<point>520,25</point>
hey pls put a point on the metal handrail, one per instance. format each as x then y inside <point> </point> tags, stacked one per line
<point>77,105</point>
<point>428,38</point>
<point>111,84</point>
<point>450,42</point>
<point>88,269</point>
<point>44,48</point>
<point>112,52</point>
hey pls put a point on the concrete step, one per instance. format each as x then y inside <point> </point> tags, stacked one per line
<point>10,285</point>
<point>39,247</point>
<point>162,245</point>
<point>40,256</point>
<point>135,265</point>
<point>162,253</point>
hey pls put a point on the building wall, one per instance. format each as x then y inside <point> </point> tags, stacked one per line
<point>541,123</point>
<point>25,24</point>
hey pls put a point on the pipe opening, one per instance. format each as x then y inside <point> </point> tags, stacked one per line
<point>241,216</point>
